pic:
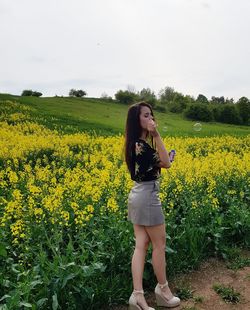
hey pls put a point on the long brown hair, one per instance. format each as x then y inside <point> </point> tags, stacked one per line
<point>133,131</point>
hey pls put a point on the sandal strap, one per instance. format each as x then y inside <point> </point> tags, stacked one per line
<point>163,285</point>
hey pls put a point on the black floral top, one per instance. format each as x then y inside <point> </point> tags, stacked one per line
<point>145,160</point>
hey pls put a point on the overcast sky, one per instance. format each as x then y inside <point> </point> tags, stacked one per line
<point>105,45</point>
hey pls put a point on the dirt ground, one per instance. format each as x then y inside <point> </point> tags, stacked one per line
<point>201,282</point>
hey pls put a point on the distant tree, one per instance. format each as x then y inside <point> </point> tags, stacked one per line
<point>126,97</point>
<point>216,111</point>
<point>77,93</point>
<point>202,99</point>
<point>106,97</point>
<point>175,101</point>
<point>218,100</point>
<point>189,99</point>
<point>146,94</point>
<point>175,107</point>
<point>72,92</point>
<point>198,111</point>
<point>243,106</point>
<point>81,93</point>
<point>166,95</point>
<point>178,104</point>
<point>27,92</point>
<point>161,108</point>
<point>36,94</point>
<point>230,114</point>
<point>229,101</point>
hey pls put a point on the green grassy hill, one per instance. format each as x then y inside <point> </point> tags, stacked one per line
<point>108,118</point>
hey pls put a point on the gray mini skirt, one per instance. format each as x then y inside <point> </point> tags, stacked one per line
<point>144,204</point>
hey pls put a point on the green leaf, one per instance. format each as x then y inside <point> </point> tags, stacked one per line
<point>217,235</point>
<point>35,283</point>
<point>67,278</point>
<point>3,251</point>
<point>77,289</point>
<point>6,283</point>
<point>170,250</point>
<point>55,302</point>
<point>87,270</point>
<point>25,304</point>
<point>99,266</point>
<point>168,237</point>
<point>13,268</point>
<point>41,301</point>
<point>4,297</point>
<point>70,264</point>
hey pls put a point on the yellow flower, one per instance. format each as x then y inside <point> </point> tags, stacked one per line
<point>112,205</point>
<point>88,175</point>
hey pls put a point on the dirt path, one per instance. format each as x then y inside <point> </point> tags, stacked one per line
<point>201,282</point>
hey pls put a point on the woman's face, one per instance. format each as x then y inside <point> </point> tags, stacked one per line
<point>145,116</point>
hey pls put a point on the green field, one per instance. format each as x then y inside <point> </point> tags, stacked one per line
<point>108,118</point>
<point>65,241</point>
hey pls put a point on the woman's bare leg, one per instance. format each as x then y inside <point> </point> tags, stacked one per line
<point>157,235</point>
<point>138,260</point>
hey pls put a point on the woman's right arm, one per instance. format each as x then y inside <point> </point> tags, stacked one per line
<point>163,153</point>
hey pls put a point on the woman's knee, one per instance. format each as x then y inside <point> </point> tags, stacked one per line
<point>159,247</point>
<point>142,239</point>
<point>142,244</point>
<point>159,243</point>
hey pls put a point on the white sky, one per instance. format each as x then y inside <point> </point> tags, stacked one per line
<point>105,45</point>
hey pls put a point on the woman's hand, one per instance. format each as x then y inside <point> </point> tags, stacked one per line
<point>152,128</point>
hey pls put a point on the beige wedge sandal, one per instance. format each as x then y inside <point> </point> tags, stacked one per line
<point>133,305</point>
<point>163,301</point>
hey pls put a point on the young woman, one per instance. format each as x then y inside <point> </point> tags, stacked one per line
<point>144,206</point>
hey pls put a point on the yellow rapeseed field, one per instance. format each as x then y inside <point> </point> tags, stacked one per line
<point>67,180</point>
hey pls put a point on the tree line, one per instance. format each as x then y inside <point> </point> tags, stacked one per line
<point>72,93</point>
<point>219,109</point>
